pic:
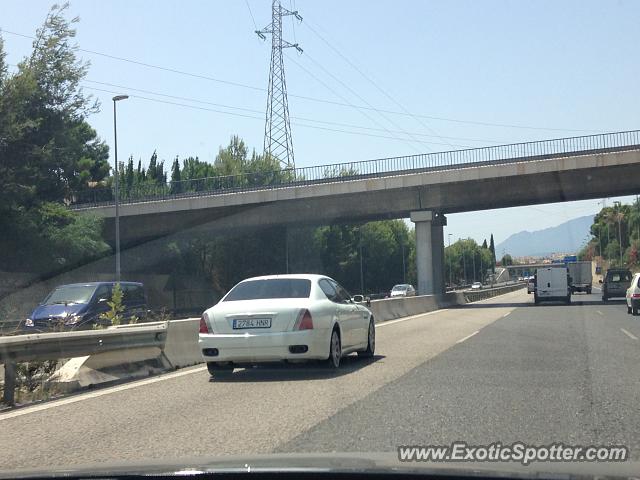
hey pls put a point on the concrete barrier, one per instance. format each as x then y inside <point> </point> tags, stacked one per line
<point>392,308</point>
<point>181,348</point>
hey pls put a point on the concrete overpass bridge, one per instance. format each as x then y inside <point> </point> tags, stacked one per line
<point>422,187</point>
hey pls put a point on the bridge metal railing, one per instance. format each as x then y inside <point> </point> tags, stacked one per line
<point>337,172</point>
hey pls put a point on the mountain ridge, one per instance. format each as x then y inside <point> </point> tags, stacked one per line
<point>568,237</point>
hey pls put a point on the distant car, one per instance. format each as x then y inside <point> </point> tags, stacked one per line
<point>476,286</point>
<point>531,285</point>
<point>80,306</point>
<point>633,295</point>
<point>615,284</point>
<point>403,290</point>
<point>284,317</point>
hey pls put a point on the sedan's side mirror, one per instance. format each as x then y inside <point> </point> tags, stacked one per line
<point>102,300</point>
<point>358,298</point>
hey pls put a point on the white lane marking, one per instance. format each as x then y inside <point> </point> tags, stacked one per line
<point>599,312</point>
<point>99,393</point>
<point>629,334</point>
<point>467,337</point>
<point>412,317</point>
<point>506,314</point>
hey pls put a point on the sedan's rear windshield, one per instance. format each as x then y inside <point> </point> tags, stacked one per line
<point>270,288</point>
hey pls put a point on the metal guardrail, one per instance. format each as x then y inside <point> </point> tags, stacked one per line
<point>52,346</point>
<point>338,172</point>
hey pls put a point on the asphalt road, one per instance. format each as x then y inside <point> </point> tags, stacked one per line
<point>498,370</point>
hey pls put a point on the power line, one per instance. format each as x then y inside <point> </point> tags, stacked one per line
<point>320,100</point>
<point>312,75</point>
<point>355,93</point>
<point>370,80</point>
<point>196,107</point>
<point>157,67</point>
<point>127,89</point>
<point>293,22</point>
<point>251,13</point>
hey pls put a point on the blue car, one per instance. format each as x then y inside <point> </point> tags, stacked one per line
<point>80,306</point>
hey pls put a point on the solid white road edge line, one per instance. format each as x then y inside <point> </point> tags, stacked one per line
<point>85,396</point>
<point>412,317</point>
<point>629,334</point>
<point>467,337</point>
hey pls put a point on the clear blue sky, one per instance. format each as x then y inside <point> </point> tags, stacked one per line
<point>565,68</point>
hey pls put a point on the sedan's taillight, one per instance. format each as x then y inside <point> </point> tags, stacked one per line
<point>204,325</point>
<point>635,295</point>
<point>304,321</point>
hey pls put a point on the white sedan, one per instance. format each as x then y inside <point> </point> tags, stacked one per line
<point>284,317</point>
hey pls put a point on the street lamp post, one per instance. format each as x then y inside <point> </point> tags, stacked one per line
<point>619,216</point>
<point>404,268</point>
<point>473,256</point>
<point>116,99</point>
<point>464,262</point>
<point>600,240</point>
<point>361,270</point>
<point>450,284</point>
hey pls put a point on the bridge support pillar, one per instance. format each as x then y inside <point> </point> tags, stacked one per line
<point>429,251</point>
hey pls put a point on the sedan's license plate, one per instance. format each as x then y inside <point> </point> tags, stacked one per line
<point>241,323</point>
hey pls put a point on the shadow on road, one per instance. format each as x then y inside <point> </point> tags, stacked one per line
<point>277,372</point>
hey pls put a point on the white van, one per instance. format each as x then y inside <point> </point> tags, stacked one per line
<point>552,284</point>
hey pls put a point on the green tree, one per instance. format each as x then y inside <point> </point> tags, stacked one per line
<point>47,150</point>
<point>232,159</point>
<point>465,257</point>
<point>612,253</point>
<point>506,260</point>
<point>176,184</point>
<point>634,219</point>
<point>116,308</point>
<point>492,248</point>
<point>153,167</point>
<point>193,167</point>
<point>141,173</point>
<point>129,176</point>
<point>3,64</point>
